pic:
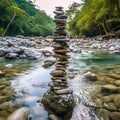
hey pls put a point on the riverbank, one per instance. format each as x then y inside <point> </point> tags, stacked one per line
<point>29,48</point>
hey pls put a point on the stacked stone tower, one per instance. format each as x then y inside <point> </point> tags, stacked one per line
<point>59,99</point>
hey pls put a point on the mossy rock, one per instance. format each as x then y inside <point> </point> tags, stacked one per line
<point>58,104</point>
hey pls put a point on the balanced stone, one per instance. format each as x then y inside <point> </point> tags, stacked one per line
<point>60,21</point>
<point>60,68</point>
<point>59,78</point>
<point>59,99</point>
<point>61,51</point>
<point>59,8</point>
<point>58,73</point>
<point>59,88</point>
<point>59,12</point>
<point>60,17</point>
<point>50,84</point>
<point>61,40</point>
<point>61,56</point>
<point>63,91</point>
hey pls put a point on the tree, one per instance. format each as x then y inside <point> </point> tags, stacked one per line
<point>94,16</point>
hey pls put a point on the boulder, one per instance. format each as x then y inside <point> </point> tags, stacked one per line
<point>90,76</point>
<point>20,114</point>
<point>58,104</point>
<point>11,55</point>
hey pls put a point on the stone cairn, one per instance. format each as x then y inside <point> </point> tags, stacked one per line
<point>58,100</point>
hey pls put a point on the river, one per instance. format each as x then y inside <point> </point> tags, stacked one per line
<point>32,83</point>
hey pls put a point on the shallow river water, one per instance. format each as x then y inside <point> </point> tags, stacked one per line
<point>31,84</point>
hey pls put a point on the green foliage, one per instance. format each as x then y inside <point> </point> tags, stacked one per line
<point>27,20</point>
<point>96,17</point>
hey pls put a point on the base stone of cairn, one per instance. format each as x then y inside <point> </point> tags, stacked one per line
<point>59,99</point>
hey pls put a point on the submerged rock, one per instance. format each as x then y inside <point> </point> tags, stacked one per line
<point>2,74</point>
<point>117,100</point>
<point>115,116</point>
<point>20,114</point>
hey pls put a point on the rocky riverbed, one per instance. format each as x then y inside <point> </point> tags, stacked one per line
<point>106,78</point>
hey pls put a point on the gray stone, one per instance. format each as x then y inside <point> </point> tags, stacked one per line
<point>11,55</point>
<point>63,91</point>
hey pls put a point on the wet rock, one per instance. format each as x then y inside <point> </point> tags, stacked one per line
<point>51,84</point>
<point>76,50</point>
<point>48,63</point>
<point>59,78</point>
<point>115,76</point>
<point>107,99</point>
<point>4,113</point>
<point>98,102</point>
<point>11,56</point>
<point>2,74</point>
<point>62,51</point>
<point>63,91</point>
<point>112,48</point>
<point>71,76</point>
<point>60,105</point>
<point>3,98</point>
<point>115,115</point>
<point>20,114</point>
<point>47,53</point>
<point>53,117</point>
<point>117,100</point>
<point>58,73</point>
<point>117,82</point>
<point>110,88</point>
<point>2,118</point>
<point>5,105</point>
<point>104,114</point>
<point>31,54</point>
<point>110,106</point>
<point>61,56</point>
<point>9,65</point>
<point>2,87</point>
<point>90,76</point>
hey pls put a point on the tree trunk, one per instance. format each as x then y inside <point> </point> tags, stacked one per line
<point>9,24</point>
<point>106,32</point>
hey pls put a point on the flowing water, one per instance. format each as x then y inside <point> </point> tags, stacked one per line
<point>31,85</point>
